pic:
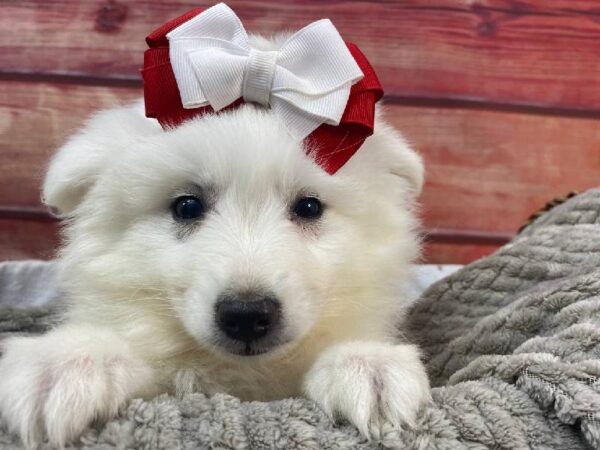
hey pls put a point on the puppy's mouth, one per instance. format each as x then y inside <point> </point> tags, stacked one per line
<point>249,349</point>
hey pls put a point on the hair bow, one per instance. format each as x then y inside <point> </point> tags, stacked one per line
<point>323,89</point>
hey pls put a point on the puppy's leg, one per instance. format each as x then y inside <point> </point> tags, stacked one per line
<point>58,383</point>
<point>373,385</point>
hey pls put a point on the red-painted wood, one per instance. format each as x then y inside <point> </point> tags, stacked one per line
<point>26,239</point>
<point>489,170</point>
<point>534,52</point>
<point>444,253</point>
<point>35,118</point>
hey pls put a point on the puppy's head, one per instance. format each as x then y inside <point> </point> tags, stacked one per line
<point>225,228</point>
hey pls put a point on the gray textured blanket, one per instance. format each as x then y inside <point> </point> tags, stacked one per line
<point>513,345</point>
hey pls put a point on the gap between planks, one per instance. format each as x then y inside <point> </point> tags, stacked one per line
<point>393,97</point>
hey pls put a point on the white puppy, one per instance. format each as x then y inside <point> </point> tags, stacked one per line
<point>219,257</point>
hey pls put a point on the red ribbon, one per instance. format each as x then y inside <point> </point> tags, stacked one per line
<point>332,145</point>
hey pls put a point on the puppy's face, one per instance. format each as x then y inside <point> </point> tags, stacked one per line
<point>226,226</point>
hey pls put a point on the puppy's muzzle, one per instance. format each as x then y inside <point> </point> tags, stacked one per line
<point>249,316</point>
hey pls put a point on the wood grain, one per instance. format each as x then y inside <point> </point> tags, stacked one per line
<point>537,53</point>
<point>35,118</point>
<point>26,239</point>
<point>446,253</point>
<point>489,170</point>
<point>486,170</point>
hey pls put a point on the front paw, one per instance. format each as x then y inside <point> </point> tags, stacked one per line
<point>374,386</point>
<point>55,385</point>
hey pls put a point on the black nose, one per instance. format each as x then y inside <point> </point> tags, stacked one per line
<point>247,317</point>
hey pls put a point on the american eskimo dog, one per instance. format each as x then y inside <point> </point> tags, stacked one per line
<point>220,257</point>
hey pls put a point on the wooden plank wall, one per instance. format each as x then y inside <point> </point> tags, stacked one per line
<point>501,97</point>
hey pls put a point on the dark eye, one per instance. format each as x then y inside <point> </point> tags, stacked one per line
<point>187,208</point>
<point>308,208</point>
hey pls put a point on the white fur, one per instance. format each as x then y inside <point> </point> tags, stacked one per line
<point>374,385</point>
<point>58,383</point>
<point>142,289</point>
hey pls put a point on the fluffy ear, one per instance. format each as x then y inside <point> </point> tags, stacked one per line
<point>387,163</point>
<point>79,162</point>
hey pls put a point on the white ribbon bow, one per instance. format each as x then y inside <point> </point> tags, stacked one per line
<point>306,82</point>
